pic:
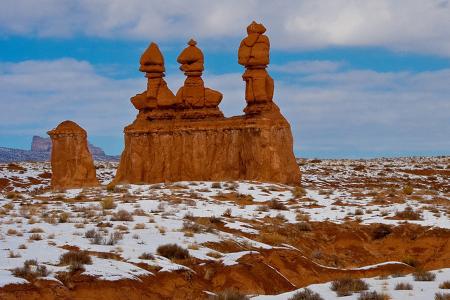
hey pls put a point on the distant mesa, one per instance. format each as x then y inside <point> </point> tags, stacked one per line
<point>186,136</point>
<point>72,163</point>
<point>40,144</point>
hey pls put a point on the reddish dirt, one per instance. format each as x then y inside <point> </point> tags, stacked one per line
<point>271,271</point>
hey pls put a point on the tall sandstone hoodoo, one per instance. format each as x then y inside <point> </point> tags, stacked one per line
<point>72,163</point>
<point>186,137</point>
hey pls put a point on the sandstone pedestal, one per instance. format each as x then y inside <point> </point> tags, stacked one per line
<point>238,148</point>
<point>72,163</point>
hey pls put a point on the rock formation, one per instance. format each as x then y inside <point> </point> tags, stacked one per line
<point>254,55</point>
<point>72,163</point>
<point>186,137</point>
<point>192,101</point>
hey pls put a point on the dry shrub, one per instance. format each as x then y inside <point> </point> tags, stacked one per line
<point>35,237</point>
<point>229,294</point>
<point>139,226</point>
<point>63,217</point>
<point>122,215</point>
<point>346,286</point>
<point>172,251</point>
<point>411,261</point>
<point>298,192</point>
<point>30,270</point>
<point>13,196</point>
<point>374,295</point>
<point>303,226</point>
<point>424,276</point>
<point>442,296</point>
<point>75,260</point>
<point>274,204</point>
<point>445,285</point>
<point>381,231</point>
<point>408,214</point>
<point>407,190</point>
<point>272,238</point>
<point>227,213</point>
<point>216,185</point>
<point>108,203</point>
<point>147,256</point>
<point>306,294</point>
<point>403,286</point>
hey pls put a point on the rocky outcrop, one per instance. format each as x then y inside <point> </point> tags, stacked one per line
<point>72,163</point>
<point>186,136</point>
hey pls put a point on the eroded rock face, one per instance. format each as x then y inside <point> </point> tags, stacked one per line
<point>190,139</point>
<point>72,163</point>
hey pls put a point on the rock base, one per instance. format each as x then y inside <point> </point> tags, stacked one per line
<point>239,148</point>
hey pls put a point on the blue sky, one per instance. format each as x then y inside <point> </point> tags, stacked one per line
<point>355,79</point>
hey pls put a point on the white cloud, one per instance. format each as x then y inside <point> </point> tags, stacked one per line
<point>404,25</point>
<point>340,112</point>
<point>307,66</point>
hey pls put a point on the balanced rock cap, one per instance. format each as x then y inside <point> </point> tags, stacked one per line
<point>190,54</point>
<point>67,127</point>
<point>152,60</point>
<point>256,28</point>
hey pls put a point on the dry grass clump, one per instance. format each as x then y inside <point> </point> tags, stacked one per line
<point>346,286</point>
<point>147,256</point>
<point>445,285</point>
<point>374,295</point>
<point>216,185</point>
<point>75,259</point>
<point>139,226</point>
<point>424,276</point>
<point>227,213</point>
<point>14,196</point>
<point>172,251</point>
<point>35,237</point>
<point>30,270</point>
<point>403,286</point>
<point>411,261</point>
<point>298,192</point>
<point>229,294</point>
<point>272,238</point>
<point>275,204</point>
<point>122,215</point>
<point>408,214</point>
<point>108,203</point>
<point>442,296</point>
<point>407,190</point>
<point>381,231</point>
<point>63,217</point>
<point>306,294</point>
<point>303,226</point>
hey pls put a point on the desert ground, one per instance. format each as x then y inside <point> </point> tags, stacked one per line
<point>354,229</point>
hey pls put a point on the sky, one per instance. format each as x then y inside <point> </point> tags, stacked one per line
<point>355,79</point>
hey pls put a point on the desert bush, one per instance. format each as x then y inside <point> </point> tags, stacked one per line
<point>63,217</point>
<point>304,226</point>
<point>272,238</point>
<point>424,276</point>
<point>13,196</point>
<point>298,192</point>
<point>11,231</point>
<point>147,256</point>
<point>190,226</point>
<point>445,285</point>
<point>408,214</point>
<point>122,215</point>
<point>407,190</point>
<point>442,296</point>
<point>171,251</point>
<point>111,187</point>
<point>35,237</point>
<point>139,226</point>
<point>114,238</point>
<point>374,295</point>
<point>306,294</point>
<point>108,203</point>
<point>411,261</point>
<point>216,185</point>
<point>403,286</point>
<point>301,216</point>
<point>346,286</point>
<point>274,204</point>
<point>75,259</point>
<point>229,294</point>
<point>214,220</point>
<point>381,231</point>
<point>359,212</point>
<point>227,213</point>
<point>30,270</point>
<point>96,237</point>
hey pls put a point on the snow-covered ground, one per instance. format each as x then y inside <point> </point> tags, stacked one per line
<point>36,223</point>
